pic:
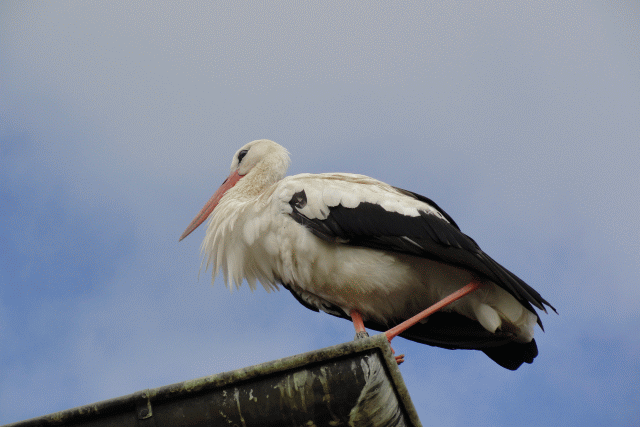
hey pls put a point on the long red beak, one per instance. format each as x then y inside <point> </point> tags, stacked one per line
<point>212,203</point>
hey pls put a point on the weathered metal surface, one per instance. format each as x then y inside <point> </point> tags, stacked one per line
<point>352,384</point>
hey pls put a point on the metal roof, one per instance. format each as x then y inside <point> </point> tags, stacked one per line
<point>352,384</point>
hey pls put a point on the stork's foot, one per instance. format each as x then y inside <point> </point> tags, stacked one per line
<point>399,359</point>
<point>360,335</point>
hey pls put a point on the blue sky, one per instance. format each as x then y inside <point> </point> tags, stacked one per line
<point>118,121</point>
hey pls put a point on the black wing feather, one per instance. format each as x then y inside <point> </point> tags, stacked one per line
<point>428,235</point>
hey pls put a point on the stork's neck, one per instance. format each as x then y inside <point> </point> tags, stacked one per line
<point>259,178</point>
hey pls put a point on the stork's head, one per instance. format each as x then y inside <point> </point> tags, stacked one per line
<point>259,163</point>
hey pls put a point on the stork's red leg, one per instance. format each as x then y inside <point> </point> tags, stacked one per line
<point>397,330</point>
<point>356,317</point>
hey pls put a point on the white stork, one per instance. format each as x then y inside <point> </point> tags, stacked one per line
<point>360,249</point>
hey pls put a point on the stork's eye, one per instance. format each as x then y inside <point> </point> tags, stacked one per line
<point>241,155</point>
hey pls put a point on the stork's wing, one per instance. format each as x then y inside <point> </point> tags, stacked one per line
<point>410,224</point>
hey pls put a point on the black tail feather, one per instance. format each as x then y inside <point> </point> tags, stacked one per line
<point>513,354</point>
<point>454,331</point>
